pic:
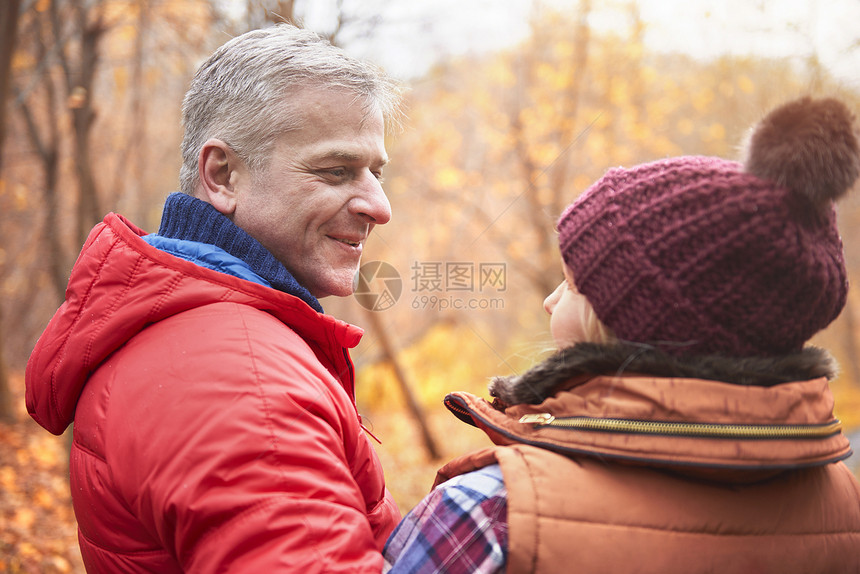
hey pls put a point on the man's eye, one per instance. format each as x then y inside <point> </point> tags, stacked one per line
<point>338,172</point>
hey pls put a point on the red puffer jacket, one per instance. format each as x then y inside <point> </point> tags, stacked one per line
<point>215,425</point>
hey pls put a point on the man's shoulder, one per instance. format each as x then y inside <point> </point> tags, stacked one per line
<point>228,344</point>
<point>234,321</point>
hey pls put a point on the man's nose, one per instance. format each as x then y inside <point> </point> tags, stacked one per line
<point>370,200</point>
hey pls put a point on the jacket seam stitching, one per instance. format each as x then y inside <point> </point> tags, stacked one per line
<point>171,287</point>
<point>61,352</point>
<point>120,296</point>
<point>256,373</point>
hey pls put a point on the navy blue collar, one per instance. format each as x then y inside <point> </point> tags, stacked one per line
<point>191,219</point>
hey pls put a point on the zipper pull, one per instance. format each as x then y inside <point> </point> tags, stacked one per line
<point>537,418</point>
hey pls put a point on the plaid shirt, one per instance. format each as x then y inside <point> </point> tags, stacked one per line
<point>461,526</point>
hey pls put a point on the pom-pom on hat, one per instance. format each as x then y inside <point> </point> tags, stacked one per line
<point>703,255</point>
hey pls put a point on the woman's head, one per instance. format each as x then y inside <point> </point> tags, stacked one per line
<point>704,255</point>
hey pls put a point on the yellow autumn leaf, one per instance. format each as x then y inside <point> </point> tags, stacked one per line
<point>22,197</point>
<point>545,71</point>
<point>7,479</point>
<point>581,182</point>
<point>648,73</point>
<point>43,498</point>
<point>546,154</point>
<point>745,84</point>
<point>127,34</point>
<point>502,74</point>
<point>641,132</point>
<point>25,517</point>
<point>702,100</point>
<point>60,564</point>
<point>22,60</point>
<point>686,126</point>
<point>564,50</point>
<point>449,178</point>
<point>45,451</point>
<point>716,132</point>
<point>22,456</point>
<point>619,92</point>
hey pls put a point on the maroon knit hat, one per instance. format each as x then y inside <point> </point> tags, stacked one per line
<point>703,255</point>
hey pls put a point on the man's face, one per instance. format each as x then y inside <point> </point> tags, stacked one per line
<point>320,195</point>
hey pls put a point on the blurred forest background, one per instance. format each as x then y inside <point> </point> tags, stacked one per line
<point>496,143</point>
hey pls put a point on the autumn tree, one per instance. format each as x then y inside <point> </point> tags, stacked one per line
<point>38,102</point>
<point>8,33</point>
<point>87,82</point>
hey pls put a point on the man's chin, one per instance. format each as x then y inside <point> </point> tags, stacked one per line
<point>342,285</point>
<point>344,293</point>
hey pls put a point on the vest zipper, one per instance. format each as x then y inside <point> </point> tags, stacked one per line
<point>708,430</point>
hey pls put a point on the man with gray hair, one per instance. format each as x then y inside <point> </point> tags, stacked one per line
<point>213,400</point>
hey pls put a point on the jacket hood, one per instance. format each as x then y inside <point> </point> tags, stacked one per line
<point>728,419</point>
<point>118,286</point>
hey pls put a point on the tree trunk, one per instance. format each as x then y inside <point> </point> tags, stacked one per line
<point>130,179</point>
<point>88,27</point>
<point>47,146</point>
<point>9,10</point>
<point>83,116</point>
<point>58,269</point>
<point>8,31</point>
<point>389,354</point>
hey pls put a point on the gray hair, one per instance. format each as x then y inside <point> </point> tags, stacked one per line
<point>239,94</point>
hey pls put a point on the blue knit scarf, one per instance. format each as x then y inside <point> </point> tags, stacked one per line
<point>188,218</point>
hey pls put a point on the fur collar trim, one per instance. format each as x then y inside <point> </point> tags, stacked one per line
<point>583,359</point>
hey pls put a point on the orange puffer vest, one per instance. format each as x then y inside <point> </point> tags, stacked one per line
<point>652,474</point>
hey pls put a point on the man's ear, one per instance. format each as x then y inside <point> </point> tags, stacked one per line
<point>219,169</point>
